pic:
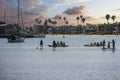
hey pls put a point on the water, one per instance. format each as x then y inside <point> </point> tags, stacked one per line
<point>22,61</point>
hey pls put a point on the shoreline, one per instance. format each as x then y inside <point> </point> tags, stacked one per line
<point>109,35</point>
<point>83,35</point>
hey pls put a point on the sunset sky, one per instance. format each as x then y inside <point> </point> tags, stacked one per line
<point>93,10</point>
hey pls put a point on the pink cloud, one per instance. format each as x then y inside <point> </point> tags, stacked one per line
<point>116,9</point>
<point>31,4</point>
<point>75,10</point>
<point>41,18</point>
<point>82,0</point>
<point>30,9</point>
<point>58,3</point>
<point>59,15</point>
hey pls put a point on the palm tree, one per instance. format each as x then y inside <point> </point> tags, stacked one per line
<point>50,21</point>
<point>83,20</point>
<point>46,22</point>
<point>113,18</point>
<point>77,18</point>
<point>64,20</point>
<point>107,17</point>
<point>40,21</point>
<point>60,21</point>
<point>55,22</point>
<point>81,16</point>
<point>36,20</point>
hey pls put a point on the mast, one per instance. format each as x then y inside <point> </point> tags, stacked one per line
<point>4,16</point>
<point>20,16</point>
<point>22,20</point>
<point>18,12</point>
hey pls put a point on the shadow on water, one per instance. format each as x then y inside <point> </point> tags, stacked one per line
<point>54,49</point>
<point>109,49</point>
<point>41,48</point>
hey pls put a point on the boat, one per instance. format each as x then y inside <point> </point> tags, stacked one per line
<point>39,36</point>
<point>50,45</point>
<point>15,39</point>
<point>89,45</point>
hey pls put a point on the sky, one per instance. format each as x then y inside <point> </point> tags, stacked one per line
<point>93,10</point>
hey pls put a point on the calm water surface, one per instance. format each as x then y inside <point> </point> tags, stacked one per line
<point>22,61</point>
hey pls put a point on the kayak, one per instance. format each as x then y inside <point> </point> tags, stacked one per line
<point>87,45</point>
<point>58,45</point>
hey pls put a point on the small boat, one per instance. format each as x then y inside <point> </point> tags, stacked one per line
<point>39,36</point>
<point>16,39</point>
<point>89,45</point>
<point>50,45</point>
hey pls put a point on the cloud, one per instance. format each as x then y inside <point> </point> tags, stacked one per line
<point>6,4</point>
<point>35,8</point>
<point>59,15</point>
<point>31,4</point>
<point>30,9</point>
<point>67,2</point>
<point>41,17</point>
<point>118,9</point>
<point>82,0</point>
<point>37,11</point>
<point>75,10</point>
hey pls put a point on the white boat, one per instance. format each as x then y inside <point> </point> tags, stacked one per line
<point>39,36</point>
<point>16,39</point>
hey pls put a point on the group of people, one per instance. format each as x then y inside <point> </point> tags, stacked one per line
<point>96,44</point>
<point>55,43</point>
<point>109,44</point>
<point>58,44</point>
<point>102,43</point>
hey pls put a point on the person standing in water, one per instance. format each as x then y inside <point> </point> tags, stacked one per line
<point>113,44</point>
<point>54,43</point>
<point>41,43</point>
<point>108,44</point>
<point>103,44</point>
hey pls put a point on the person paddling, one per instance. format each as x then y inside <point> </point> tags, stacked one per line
<point>113,44</point>
<point>54,43</point>
<point>103,44</point>
<point>108,45</point>
<point>41,43</point>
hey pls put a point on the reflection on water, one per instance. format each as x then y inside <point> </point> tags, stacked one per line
<point>22,61</point>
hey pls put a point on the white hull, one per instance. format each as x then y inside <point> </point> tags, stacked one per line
<point>39,36</point>
<point>17,40</point>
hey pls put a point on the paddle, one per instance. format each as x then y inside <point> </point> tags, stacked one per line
<point>37,47</point>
